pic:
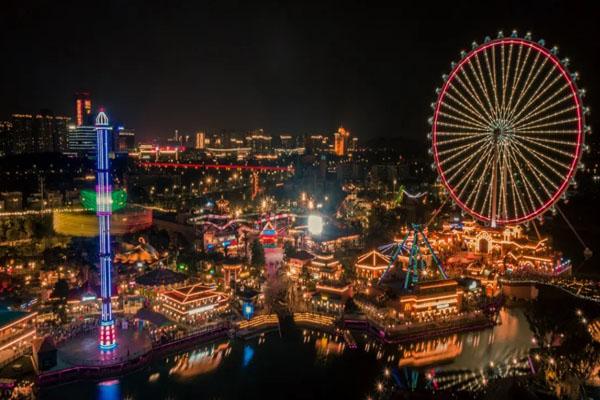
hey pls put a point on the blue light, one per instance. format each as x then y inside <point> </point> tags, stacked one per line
<point>248,310</point>
<point>248,355</point>
<point>103,212</point>
<point>109,390</point>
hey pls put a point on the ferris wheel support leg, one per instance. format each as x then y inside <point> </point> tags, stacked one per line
<point>436,212</point>
<point>587,252</point>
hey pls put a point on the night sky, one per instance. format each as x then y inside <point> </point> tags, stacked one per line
<point>297,67</point>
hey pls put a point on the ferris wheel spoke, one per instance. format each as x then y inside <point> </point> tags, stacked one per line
<point>486,206</point>
<point>459,150</point>
<point>504,184</point>
<point>467,106</point>
<point>538,174</point>
<point>516,193</point>
<point>542,88</point>
<point>470,88</point>
<point>549,141</point>
<point>537,142</point>
<point>505,76</point>
<point>466,124</point>
<point>458,166</point>
<point>535,125</point>
<point>546,160</point>
<point>471,201</point>
<point>529,132</point>
<point>526,185</point>
<point>480,77</point>
<point>546,117</point>
<point>519,69</point>
<point>532,75</point>
<point>460,139</point>
<point>465,117</point>
<point>544,107</point>
<point>444,134</point>
<point>449,124</point>
<point>492,76</point>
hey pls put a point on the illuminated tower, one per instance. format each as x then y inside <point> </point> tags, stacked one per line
<point>340,141</point>
<point>83,107</point>
<point>200,140</point>
<point>104,211</point>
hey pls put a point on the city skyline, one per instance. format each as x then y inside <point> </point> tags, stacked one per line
<point>295,68</point>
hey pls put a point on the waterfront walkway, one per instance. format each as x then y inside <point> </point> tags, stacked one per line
<point>577,288</point>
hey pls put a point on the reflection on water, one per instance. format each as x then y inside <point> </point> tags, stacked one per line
<point>314,364</point>
<point>248,355</point>
<point>435,351</point>
<point>510,339</point>
<point>199,362</point>
<point>325,347</point>
<point>109,390</point>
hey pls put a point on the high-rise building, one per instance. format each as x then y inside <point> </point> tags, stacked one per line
<point>5,137</point>
<point>52,132</point>
<point>341,141</point>
<point>42,132</point>
<point>259,141</point>
<point>200,137</point>
<point>83,108</point>
<point>123,139</point>
<point>13,201</point>
<point>353,144</point>
<point>82,140</point>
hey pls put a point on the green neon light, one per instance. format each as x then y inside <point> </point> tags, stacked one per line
<point>88,200</point>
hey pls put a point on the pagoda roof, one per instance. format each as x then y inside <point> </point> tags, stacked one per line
<point>373,259</point>
<point>187,294</point>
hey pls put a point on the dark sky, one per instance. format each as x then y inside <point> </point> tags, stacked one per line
<point>296,66</point>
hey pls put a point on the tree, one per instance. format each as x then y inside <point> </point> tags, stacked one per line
<point>258,254</point>
<point>61,290</point>
<point>562,336</point>
<point>29,227</point>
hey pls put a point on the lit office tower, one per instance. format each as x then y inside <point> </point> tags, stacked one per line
<point>104,211</point>
<point>83,107</point>
<point>200,137</point>
<point>340,141</point>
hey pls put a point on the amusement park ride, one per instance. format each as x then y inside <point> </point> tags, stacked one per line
<point>508,132</point>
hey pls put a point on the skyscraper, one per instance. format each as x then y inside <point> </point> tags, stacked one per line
<point>103,211</point>
<point>200,136</point>
<point>83,107</point>
<point>82,140</point>
<point>341,141</point>
<point>38,133</point>
<point>125,140</point>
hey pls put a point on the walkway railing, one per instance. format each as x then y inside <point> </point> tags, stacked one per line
<point>540,281</point>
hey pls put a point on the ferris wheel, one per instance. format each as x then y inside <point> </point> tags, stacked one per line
<point>508,129</point>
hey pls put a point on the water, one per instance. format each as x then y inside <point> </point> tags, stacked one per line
<point>304,365</point>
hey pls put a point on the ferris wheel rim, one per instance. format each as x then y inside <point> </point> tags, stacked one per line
<point>580,128</point>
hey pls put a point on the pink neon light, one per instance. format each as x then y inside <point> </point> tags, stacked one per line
<point>578,148</point>
<point>215,166</point>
